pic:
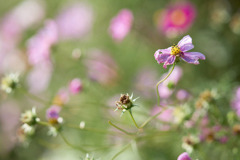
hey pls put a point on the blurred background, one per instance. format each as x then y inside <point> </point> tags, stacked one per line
<point>81,55</point>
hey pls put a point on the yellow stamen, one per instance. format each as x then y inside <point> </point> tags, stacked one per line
<point>175,50</point>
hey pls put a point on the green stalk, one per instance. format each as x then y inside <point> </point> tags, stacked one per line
<point>162,81</point>
<point>133,119</point>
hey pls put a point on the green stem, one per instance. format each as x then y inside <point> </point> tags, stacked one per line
<point>122,150</point>
<point>70,145</point>
<point>33,97</point>
<point>162,81</point>
<point>133,119</point>
<point>90,129</point>
<point>43,123</point>
<point>151,118</point>
<point>120,129</point>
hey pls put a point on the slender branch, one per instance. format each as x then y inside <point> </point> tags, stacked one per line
<point>120,129</point>
<point>33,97</point>
<point>43,123</point>
<point>151,118</point>
<point>90,129</point>
<point>162,81</point>
<point>70,145</point>
<point>122,150</point>
<point>133,119</point>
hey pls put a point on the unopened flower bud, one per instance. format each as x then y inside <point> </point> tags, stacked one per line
<point>125,102</point>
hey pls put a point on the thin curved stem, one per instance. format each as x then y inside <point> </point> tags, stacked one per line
<point>33,97</point>
<point>120,129</point>
<point>70,145</point>
<point>122,150</point>
<point>162,81</point>
<point>133,119</point>
<point>151,118</point>
<point>43,123</point>
<point>95,130</point>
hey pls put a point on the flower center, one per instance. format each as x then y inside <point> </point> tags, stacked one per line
<point>175,50</point>
<point>178,17</point>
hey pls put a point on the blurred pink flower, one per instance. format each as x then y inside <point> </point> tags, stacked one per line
<point>145,82</point>
<point>39,77</point>
<point>101,67</point>
<point>176,19</point>
<point>184,156</point>
<point>20,18</point>
<point>75,21</point>
<point>53,112</point>
<point>182,95</point>
<point>75,86</point>
<point>235,103</point>
<point>62,97</point>
<point>165,116</point>
<point>121,24</point>
<point>166,88</point>
<point>204,121</point>
<point>223,139</point>
<point>39,45</point>
<point>169,55</point>
<point>9,121</point>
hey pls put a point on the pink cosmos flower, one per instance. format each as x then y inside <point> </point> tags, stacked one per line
<point>102,67</point>
<point>165,116</point>
<point>145,81</point>
<point>75,21</point>
<point>62,97</point>
<point>121,25</point>
<point>25,15</point>
<point>53,112</point>
<point>166,88</point>
<point>39,45</point>
<point>169,55</point>
<point>39,77</point>
<point>236,102</point>
<point>182,95</point>
<point>184,156</point>
<point>176,19</point>
<point>75,86</point>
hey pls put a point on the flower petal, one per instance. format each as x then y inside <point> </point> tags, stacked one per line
<point>162,58</point>
<point>166,51</point>
<point>185,40</point>
<point>190,59</point>
<point>186,47</point>
<point>169,61</point>
<point>196,55</point>
<point>184,156</point>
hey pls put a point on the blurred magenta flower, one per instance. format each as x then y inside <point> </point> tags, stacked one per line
<point>38,47</point>
<point>168,56</point>
<point>53,112</point>
<point>62,97</point>
<point>121,24</point>
<point>176,19</point>
<point>182,95</point>
<point>75,21</point>
<point>17,20</point>
<point>8,125</point>
<point>39,77</point>
<point>101,67</point>
<point>184,156</point>
<point>166,115</point>
<point>75,86</point>
<point>145,81</point>
<point>166,88</point>
<point>236,102</point>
